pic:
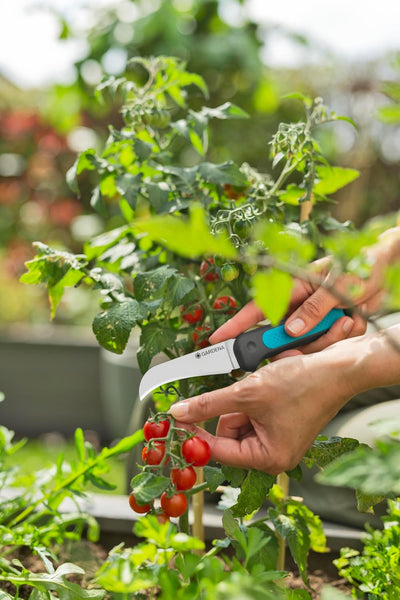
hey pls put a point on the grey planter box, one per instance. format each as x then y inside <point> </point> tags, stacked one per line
<point>50,377</point>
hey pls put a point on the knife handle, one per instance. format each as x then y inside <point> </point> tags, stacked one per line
<point>252,347</point>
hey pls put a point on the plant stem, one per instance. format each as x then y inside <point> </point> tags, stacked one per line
<point>184,522</point>
<point>198,507</point>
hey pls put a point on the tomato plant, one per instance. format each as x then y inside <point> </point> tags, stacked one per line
<point>186,236</point>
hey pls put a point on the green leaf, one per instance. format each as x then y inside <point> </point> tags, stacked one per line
<point>330,593</point>
<point>56,269</point>
<point>151,283</point>
<point>80,444</point>
<point>224,111</point>
<point>177,288</point>
<point>86,161</point>
<point>292,194</point>
<point>271,291</point>
<point>230,524</point>
<point>324,451</point>
<point>332,179</point>
<point>124,445</point>
<point>234,475</point>
<point>297,536</point>
<point>188,238</point>
<point>372,471</point>
<point>146,486</point>
<point>214,477</point>
<point>389,114</point>
<point>155,338</point>
<point>222,174</point>
<point>253,493</point>
<point>113,326</point>
<point>288,244</point>
<point>158,194</point>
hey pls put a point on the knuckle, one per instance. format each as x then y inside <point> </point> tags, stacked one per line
<point>312,308</point>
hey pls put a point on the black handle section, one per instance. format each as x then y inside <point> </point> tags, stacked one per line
<point>252,347</point>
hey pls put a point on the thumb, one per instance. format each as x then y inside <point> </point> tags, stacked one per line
<point>206,406</point>
<point>310,312</point>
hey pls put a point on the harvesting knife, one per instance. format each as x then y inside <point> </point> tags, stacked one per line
<point>244,352</point>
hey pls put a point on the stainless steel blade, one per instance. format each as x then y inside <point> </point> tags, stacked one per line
<point>213,360</point>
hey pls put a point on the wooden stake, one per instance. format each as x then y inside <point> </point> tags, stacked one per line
<point>283,481</point>
<point>198,507</point>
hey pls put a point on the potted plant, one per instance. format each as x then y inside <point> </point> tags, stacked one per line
<point>188,243</point>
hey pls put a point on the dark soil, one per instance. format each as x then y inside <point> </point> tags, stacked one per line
<point>90,556</point>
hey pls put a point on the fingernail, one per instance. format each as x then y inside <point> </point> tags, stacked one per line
<point>295,326</point>
<point>179,410</point>
<point>347,325</point>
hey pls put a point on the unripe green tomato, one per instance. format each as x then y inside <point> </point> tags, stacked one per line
<point>250,268</point>
<point>229,272</point>
<point>242,229</point>
<point>157,118</point>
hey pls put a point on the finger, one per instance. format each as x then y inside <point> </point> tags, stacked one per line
<point>234,426</point>
<point>311,312</point>
<point>248,316</point>
<point>340,330</point>
<point>208,405</point>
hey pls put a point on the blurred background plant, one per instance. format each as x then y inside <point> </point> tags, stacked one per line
<point>41,131</point>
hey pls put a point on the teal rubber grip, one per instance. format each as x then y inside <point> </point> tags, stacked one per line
<point>252,347</point>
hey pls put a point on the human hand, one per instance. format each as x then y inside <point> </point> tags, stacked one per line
<point>310,302</point>
<point>269,419</point>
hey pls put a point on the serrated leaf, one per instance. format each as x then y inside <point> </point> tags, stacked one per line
<point>234,475</point>
<point>155,338</point>
<point>324,451</point>
<point>113,326</point>
<point>224,173</point>
<point>177,288</point>
<point>332,179</point>
<point>373,471</point>
<point>146,486</point>
<point>297,536</point>
<point>213,476</point>
<point>151,283</point>
<point>253,493</point>
<point>271,291</point>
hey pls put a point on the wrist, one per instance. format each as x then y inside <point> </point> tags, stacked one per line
<point>367,361</point>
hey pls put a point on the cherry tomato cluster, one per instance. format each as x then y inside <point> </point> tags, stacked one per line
<point>168,445</point>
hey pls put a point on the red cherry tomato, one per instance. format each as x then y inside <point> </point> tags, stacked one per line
<point>162,517</point>
<point>138,508</point>
<point>183,479</point>
<point>192,314</point>
<point>174,506</point>
<point>208,271</point>
<point>196,451</point>
<point>225,304</point>
<point>154,429</point>
<point>154,454</point>
<point>200,337</point>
